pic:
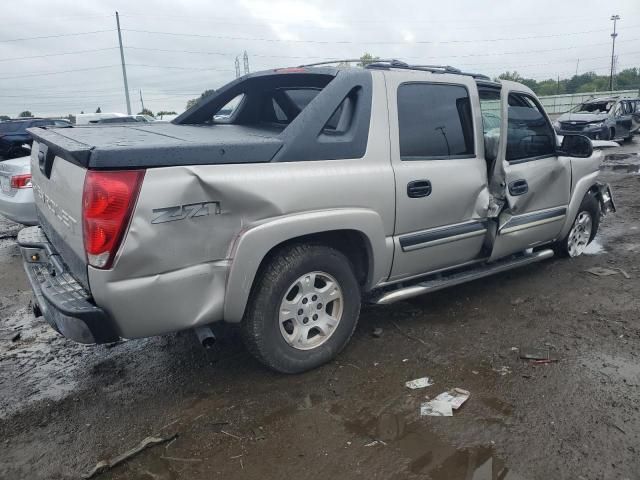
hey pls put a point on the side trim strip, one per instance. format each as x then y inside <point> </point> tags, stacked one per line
<point>528,220</point>
<point>440,235</point>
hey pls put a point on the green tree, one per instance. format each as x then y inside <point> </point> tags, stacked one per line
<point>71,118</point>
<point>98,110</point>
<point>204,94</point>
<point>162,113</point>
<point>4,117</point>
<point>366,59</point>
<point>146,111</point>
<point>26,113</point>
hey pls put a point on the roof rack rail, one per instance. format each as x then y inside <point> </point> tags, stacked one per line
<point>425,68</point>
<point>395,63</point>
<point>345,60</point>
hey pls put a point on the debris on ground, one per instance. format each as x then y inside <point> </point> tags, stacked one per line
<point>535,354</point>
<point>419,383</point>
<point>444,404</point>
<point>374,443</point>
<point>104,465</point>
<point>436,408</point>
<point>624,273</point>
<point>16,337</point>
<point>544,361</point>
<point>601,271</point>
<point>518,301</point>
<point>503,370</point>
<point>376,332</point>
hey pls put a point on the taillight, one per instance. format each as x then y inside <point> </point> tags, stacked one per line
<point>21,181</point>
<point>108,199</point>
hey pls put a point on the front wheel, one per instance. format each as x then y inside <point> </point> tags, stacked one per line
<point>583,230</point>
<point>303,308</point>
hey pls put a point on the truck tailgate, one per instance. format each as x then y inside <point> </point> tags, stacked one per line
<point>58,198</point>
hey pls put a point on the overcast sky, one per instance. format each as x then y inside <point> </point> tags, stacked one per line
<point>175,49</point>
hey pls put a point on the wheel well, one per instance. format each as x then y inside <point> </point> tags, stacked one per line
<point>352,243</point>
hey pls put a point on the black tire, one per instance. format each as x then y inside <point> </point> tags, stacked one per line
<point>260,325</point>
<point>591,205</point>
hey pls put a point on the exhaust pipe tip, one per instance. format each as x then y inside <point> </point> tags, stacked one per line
<point>206,337</point>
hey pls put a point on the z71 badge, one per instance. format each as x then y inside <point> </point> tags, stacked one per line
<point>181,212</point>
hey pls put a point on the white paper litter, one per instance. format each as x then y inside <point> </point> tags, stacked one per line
<point>436,408</point>
<point>419,383</point>
<point>444,404</point>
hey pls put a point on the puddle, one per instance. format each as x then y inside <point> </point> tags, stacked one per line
<point>619,156</point>
<point>621,167</point>
<point>594,248</point>
<point>427,454</point>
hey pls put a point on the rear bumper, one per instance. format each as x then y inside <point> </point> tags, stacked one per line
<point>20,208</point>
<point>64,303</point>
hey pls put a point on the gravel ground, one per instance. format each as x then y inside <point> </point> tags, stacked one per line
<point>64,407</point>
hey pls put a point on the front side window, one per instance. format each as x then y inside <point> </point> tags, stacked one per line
<point>434,121</point>
<point>529,133</point>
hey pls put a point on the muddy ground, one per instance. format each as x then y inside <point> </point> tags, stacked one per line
<point>64,407</point>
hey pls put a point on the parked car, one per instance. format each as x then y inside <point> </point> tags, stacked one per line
<point>86,118</point>
<point>320,188</point>
<point>121,119</point>
<point>16,194</point>
<point>13,134</point>
<point>606,118</point>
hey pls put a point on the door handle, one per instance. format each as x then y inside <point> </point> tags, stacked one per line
<point>419,188</point>
<point>518,187</point>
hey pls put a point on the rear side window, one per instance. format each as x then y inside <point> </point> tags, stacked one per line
<point>529,134</point>
<point>435,121</point>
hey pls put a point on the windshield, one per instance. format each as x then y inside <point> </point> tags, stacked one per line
<point>594,107</point>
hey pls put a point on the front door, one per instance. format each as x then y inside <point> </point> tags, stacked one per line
<point>536,181</point>
<point>440,173</point>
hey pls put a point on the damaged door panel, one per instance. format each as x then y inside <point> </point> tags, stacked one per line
<point>532,179</point>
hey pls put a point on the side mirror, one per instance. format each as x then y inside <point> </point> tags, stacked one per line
<point>577,146</point>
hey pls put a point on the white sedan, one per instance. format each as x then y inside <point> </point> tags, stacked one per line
<point>16,193</point>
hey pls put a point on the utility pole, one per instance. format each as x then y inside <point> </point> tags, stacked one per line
<point>124,68</point>
<point>237,67</point>
<point>245,58</point>
<point>141,100</point>
<point>577,65</point>
<point>615,19</point>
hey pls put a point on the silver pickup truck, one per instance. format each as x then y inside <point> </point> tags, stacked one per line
<point>289,196</point>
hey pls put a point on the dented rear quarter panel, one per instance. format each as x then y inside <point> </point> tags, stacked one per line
<point>175,275</point>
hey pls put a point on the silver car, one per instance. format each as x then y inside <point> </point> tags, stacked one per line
<point>16,194</point>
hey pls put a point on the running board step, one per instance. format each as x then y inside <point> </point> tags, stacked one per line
<point>460,277</point>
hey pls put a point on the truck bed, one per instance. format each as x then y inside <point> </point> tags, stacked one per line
<point>159,145</point>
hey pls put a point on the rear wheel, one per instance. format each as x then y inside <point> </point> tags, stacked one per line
<point>583,230</point>
<point>303,310</point>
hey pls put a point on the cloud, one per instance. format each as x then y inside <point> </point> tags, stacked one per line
<point>193,43</point>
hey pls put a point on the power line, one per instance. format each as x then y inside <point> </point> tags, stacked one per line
<point>42,74</point>
<point>349,42</point>
<point>55,36</point>
<point>57,54</point>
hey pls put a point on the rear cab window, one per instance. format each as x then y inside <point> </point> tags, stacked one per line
<point>434,121</point>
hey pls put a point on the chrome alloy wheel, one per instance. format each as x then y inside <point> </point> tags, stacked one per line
<point>311,310</point>
<point>580,234</point>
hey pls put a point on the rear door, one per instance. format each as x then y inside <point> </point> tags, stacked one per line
<point>623,111</point>
<point>440,173</point>
<point>537,182</point>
